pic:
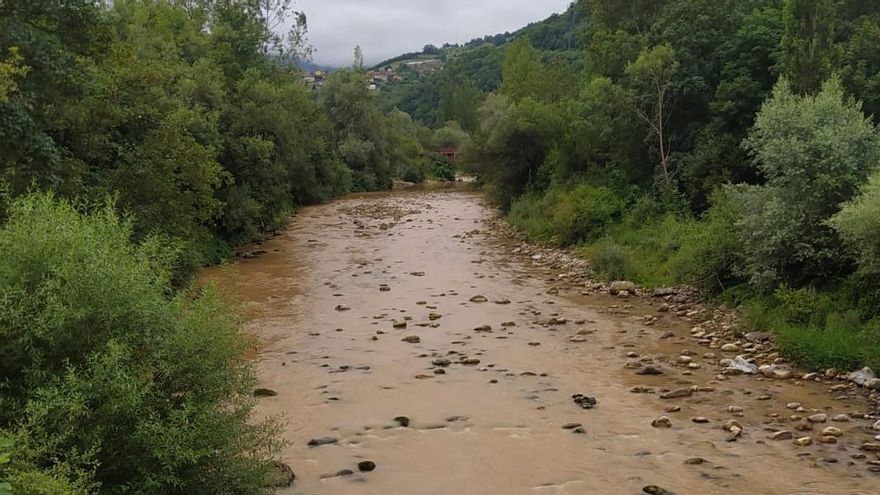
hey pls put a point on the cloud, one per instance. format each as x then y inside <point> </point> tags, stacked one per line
<point>385,28</point>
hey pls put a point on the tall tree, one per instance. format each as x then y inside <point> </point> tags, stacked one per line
<point>809,53</point>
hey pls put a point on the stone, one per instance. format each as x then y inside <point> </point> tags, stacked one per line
<point>479,299</point>
<point>470,361</point>
<point>342,307</point>
<point>861,376</point>
<point>841,418</point>
<point>700,420</point>
<point>399,324</point>
<point>832,431</point>
<point>649,369</point>
<point>871,447</point>
<point>873,384</point>
<point>584,401</point>
<point>732,425</point>
<point>411,339</point>
<point>317,442</point>
<point>756,337</point>
<point>344,472</point>
<point>655,490</point>
<point>402,421</point>
<point>729,348</point>
<point>281,475</point>
<point>265,392</point>
<point>441,361</point>
<point>740,364</point>
<point>571,426</point>
<point>662,422</point>
<point>818,418</point>
<point>804,441</point>
<point>620,286</point>
<point>577,338</point>
<point>777,372</point>
<point>366,466</point>
<point>782,435</point>
<point>695,461</point>
<point>677,394</point>
<point>793,405</point>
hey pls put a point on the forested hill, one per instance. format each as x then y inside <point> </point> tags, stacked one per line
<point>475,67</point>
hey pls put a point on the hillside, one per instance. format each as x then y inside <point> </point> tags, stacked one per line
<point>476,65</point>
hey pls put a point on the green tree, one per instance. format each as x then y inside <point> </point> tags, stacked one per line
<point>652,98</point>
<point>809,53</point>
<point>814,151</point>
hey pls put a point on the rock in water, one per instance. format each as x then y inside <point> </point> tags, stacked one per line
<point>677,394</point>
<point>584,401</point>
<point>862,376</point>
<point>411,339</point>
<point>366,466</point>
<point>740,364</point>
<point>662,422</point>
<point>402,421</point>
<point>479,299</point>
<point>316,442</point>
<point>265,392</point>
<point>656,490</point>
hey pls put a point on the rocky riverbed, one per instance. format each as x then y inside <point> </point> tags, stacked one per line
<point>415,344</point>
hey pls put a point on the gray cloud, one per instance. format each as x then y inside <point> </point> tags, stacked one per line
<point>385,28</point>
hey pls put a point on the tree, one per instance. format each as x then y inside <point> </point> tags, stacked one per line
<point>358,63</point>
<point>10,70</point>
<point>651,97</point>
<point>814,151</point>
<point>522,71</point>
<point>809,54</point>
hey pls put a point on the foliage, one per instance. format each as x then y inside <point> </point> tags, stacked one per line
<point>858,223</point>
<point>443,169</point>
<point>814,152</point>
<point>107,372</point>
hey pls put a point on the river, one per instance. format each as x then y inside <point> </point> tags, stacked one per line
<point>326,295</point>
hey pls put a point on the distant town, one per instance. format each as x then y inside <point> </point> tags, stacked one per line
<point>379,77</point>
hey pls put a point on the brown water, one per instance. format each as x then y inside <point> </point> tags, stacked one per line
<point>496,428</point>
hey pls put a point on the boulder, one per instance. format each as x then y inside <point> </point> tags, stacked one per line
<point>620,286</point>
<point>862,376</point>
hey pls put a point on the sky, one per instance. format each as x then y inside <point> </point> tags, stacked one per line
<point>387,28</point>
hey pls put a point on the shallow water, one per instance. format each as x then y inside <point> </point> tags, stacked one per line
<point>496,428</point>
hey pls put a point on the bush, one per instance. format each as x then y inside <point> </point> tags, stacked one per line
<point>859,224</point>
<point>567,216</point>
<point>443,169</point>
<point>106,373</point>
<point>612,261</point>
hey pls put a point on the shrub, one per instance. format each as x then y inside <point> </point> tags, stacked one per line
<point>858,223</point>
<point>443,169</point>
<point>106,372</point>
<point>611,261</point>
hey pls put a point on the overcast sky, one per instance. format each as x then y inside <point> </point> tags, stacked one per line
<point>386,28</point>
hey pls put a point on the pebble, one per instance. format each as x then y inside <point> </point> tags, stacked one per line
<point>316,442</point>
<point>479,299</point>
<point>818,418</point>
<point>677,394</point>
<point>411,339</point>
<point>662,422</point>
<point>366,466</point>
<point>804,441</point>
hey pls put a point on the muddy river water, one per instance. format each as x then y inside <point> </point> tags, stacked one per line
<point>486,387</point>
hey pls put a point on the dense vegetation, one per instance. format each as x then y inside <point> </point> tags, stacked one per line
<point>730,145</point>
<point>140,140</point>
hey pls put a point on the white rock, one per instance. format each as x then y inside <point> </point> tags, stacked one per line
<point>862,376</point>
<point>739,363</point>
